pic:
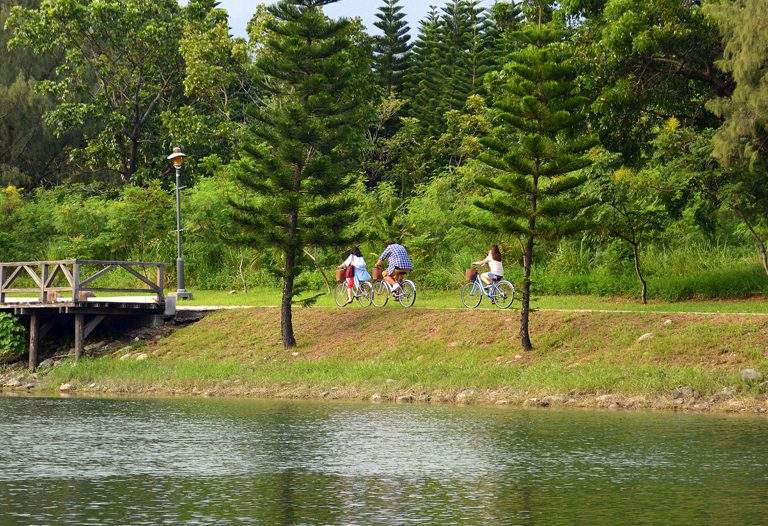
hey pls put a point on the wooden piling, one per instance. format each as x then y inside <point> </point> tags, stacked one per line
<point>34,340</point>
<point>79,335</point>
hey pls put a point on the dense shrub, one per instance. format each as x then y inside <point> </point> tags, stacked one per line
<point>139,223</point>
<point>12,338</point>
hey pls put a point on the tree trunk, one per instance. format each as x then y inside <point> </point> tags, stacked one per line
<point>134,160</point>
<point>525,310</point>
<point>758,240</point>
<point>763,255</point>
<point>286,308</point>
<point>639,272</point>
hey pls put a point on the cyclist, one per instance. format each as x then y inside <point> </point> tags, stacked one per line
<point>398,264</point>
<point>356,269</point>
<point>495,266</point>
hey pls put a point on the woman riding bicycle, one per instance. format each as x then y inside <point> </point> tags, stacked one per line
<point>356,269</point>
<point>495,266</point>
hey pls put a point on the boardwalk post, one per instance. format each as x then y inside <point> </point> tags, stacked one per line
<point>43,283</point>
<point>34,340</point>
<point>2,283</point>
<point>76,281</point>
<point>79,335</point>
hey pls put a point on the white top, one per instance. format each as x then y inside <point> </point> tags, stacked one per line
<point>355,261</point>
<point>494,266</point>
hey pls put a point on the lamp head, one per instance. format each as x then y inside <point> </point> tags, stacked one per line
<point>177,157</point>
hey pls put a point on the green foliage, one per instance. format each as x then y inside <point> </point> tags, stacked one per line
<point>392,48</point>
<point>12,338</point>
<point>535,154</point>
<point>94,94</point>
<point>643,63</point>
<point>29,153</point>
<point>422,82</point>
<point>744,134</point>
<point>296,160</point>
<point>120,68</point>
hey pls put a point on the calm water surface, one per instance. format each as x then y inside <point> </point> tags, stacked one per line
<point>130,462</point>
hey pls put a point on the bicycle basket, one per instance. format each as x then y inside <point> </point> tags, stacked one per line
<point>470,274</point>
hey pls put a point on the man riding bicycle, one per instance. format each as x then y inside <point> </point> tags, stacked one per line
<point>398,263</point>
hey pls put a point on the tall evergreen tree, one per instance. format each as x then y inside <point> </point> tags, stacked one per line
<point>534,154</point>
<point>504,20</point>
<point>297,161</point>
<point>423,79</point>
<point>455,36</point>
<point>391,50</point>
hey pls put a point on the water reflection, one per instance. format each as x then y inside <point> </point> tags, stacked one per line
<point>212,462</point>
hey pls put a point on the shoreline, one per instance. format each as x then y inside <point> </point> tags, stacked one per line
<point>587,360</point>
<point>684,403</point>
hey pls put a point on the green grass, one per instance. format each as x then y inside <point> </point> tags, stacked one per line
<point>433,351</point>
<point>432,299</point>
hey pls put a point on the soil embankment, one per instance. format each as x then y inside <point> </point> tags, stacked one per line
<point>584,359</point>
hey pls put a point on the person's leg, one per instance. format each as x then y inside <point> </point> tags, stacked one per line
<point>485,277</point>
<point>350,289</point>
<point>391,279</point>
<point>396,281</point>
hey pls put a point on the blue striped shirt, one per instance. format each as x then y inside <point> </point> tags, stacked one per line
<point>396,257</point>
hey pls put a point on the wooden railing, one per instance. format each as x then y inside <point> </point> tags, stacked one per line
<point>79,275</point>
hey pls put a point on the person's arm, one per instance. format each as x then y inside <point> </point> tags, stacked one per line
<point>483,262</point>
<point>347,262</point>
<point>384,255</point>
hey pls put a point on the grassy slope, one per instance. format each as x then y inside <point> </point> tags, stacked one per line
<point>358,352</point>
<point>450,299</point>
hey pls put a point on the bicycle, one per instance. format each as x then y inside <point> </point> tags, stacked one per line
<point>501,293</point>
<point>405,295</point>
<point>362,292</point>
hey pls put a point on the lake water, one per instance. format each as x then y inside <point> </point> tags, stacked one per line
<point>151,462</point>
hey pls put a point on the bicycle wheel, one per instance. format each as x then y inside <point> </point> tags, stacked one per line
<point>340,294</point>
<point>504,294</point>
<point>380,293</point>
<point>407,296</point>
<point>365,294</point>
<point>471,295</point>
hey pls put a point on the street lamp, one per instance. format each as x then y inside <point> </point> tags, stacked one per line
<point>177,158</point>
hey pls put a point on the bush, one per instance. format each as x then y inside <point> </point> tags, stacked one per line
<point>12,338</point>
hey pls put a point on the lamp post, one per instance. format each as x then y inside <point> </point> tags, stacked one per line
<point>177,158</point>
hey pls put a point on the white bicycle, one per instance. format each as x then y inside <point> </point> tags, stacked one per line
<point>405,295</point>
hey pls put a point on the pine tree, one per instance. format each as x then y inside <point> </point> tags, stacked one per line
<point>466,56</point>
<point>297,160</point>
<point>392,48</point>
<point>422,82</point>
<point>504,21</point>
<point>478,60</point>
<point>535,155</point>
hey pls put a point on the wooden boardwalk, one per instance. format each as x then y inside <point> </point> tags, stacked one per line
<point>44,290</point>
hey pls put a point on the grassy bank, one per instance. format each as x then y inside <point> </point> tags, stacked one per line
<point>437,355</point>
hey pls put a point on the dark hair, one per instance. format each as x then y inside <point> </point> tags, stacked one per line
<point>387,243</point>
<point>356,252</point>
<point>496,253</point>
